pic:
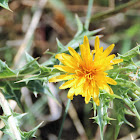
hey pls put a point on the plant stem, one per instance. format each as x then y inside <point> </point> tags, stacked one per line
<point>101,124</point>
<point>118,9</point>
<point>90,3</point>
<point>11,120</point>
<point>64,117</point>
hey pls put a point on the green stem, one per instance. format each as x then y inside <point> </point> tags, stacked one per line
<point>101,124</point>
<point>14,77</point>
<point>94,107</point>
<point>64,117</point>
<point>27,75</point>
<point>118,9</point>
<point>90,3</point>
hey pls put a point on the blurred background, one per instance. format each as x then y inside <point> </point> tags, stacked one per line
<point>56,19</point>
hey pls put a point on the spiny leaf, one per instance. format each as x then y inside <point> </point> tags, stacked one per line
<point>91,33</point>
<point>129,84</point>
<point>60,45</point>
<point>32,75</point>
<point>79,25</point>
<point>38,87</point>
<point>32,65</point>
<point>4,4</point>
<point>118,114</point>
<point>17,117</point>
<point>130,103</point>
<point>30,134</point>
<point>4,119</point>
<point>5,71</point>
<point>130,54</point>
<point>10,93</point>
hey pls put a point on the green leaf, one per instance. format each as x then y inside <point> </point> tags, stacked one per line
<point>119,115</point>
<point>119,106</point>
<point>5,119</point>
<point>130,54</point>
<point>10,93</point>
<point>32,75</point>
<point>4,4</point>
<point>59,45</point>
<point>17,117</point>
<point>38,86</point>
<point>32,65</point>
<point>79,25</point>
<point>128,84</point>
<point>5,71</point>
<point>30,134</point>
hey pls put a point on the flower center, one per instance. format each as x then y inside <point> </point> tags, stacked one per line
<point>84,72</point>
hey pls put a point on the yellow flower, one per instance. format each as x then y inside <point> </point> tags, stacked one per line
<point>86,72</point>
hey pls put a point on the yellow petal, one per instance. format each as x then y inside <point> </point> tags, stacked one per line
<point>101,49</point>
<point>108,68</point>
<point>68,84</point>
<point>65,68</point>
<point>97,101</point>
<point>108,50</point>
<point>96,96</point>
<point>85,51</point>
<point>59,57</point>
<point>85,87</point>
<point>110,57</point>
<point>111,81</point>
<point>79,90</point>
<point>66,60</point>
<point>91,89</point>
<point>69,61</point>
<point>86,44</point>
<point>97,43</point>
<point>70,93</point>
<point>74,54</point>
<point>96,93</point>
<point>116,61</point>
<point>61,78</point>
<point>80,81</point>
<point>108,89</point>
<point>87,98</point>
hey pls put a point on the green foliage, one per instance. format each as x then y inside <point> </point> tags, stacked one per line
<point>30,134</point>
<point>4,4</point>
<point>31,75</point>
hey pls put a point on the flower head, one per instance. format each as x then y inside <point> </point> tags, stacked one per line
<point>86,72</point>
